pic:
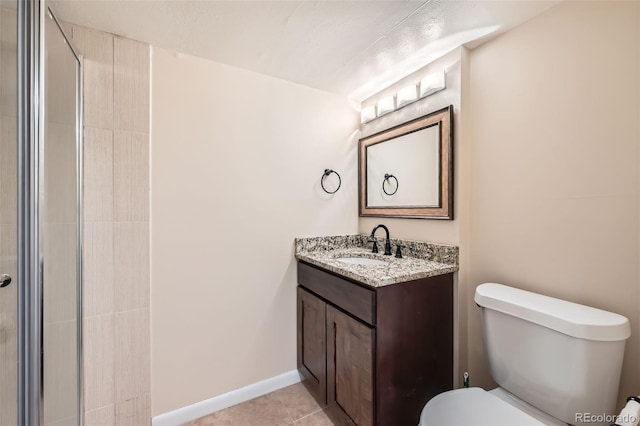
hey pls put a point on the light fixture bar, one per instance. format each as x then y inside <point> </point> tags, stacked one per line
<point>430,84</point>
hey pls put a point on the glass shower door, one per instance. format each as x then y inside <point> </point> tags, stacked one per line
<point>60,224</point>
<point>40,227</point>
<point>8,215</point>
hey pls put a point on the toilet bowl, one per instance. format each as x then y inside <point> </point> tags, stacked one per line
<point>554,361</point>
<point>476,406</point>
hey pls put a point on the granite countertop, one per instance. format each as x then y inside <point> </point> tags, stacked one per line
<point>420,259</point>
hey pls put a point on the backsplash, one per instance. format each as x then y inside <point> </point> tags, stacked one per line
<point>423,250</point>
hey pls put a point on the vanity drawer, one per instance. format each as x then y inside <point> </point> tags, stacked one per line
<point>357,300</point>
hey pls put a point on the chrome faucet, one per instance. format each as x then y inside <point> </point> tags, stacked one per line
<point>387,241</point>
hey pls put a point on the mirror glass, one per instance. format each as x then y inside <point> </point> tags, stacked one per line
<point>406,171</point>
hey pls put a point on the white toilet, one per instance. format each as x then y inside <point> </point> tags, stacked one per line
<point>555,363</point>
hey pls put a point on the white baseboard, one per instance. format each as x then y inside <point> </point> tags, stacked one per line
<point>217,403</point>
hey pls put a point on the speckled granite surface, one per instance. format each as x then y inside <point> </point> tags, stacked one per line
<point>420,259</point>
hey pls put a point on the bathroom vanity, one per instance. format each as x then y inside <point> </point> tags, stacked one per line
<point>375,338</point>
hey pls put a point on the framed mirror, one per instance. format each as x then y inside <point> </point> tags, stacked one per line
<point>407,171</point>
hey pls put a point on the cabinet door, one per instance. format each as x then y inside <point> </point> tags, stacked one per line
<point>312,343</point>
<point>349,368</point>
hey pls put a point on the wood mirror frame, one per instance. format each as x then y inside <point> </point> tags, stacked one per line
<point>444,209</point>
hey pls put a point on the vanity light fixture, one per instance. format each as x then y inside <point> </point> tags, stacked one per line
<point>432,83</point>
<point>367,114</point>
<point>406,95</point>
<point>429,85</point>
<point>386,105</point>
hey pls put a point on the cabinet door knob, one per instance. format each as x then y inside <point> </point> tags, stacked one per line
<point>5,280</point>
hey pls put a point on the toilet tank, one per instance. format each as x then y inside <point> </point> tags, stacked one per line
<point>561,357</point>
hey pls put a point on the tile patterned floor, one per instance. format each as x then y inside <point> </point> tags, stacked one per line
<point>292,405</point>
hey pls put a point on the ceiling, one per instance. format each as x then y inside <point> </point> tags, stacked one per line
<point>353,48</point>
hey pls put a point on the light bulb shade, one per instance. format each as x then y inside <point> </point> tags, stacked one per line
<point>432,83</point>
<point>406,95</point>
<point>386,105</point>
<point>367,114</point>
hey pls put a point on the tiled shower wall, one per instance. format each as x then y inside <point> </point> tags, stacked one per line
<point>116,228</point>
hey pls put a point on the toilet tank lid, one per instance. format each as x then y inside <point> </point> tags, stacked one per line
<point>573,319</point>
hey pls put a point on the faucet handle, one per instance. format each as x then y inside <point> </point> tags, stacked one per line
<point>398,251</point>
<point>375,245</point>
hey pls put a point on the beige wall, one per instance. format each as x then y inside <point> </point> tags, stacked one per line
<point>455,232</point>
<point>116,228</point>
<point>440,231</point>
<point>236,164</point>
<point>555,111</point>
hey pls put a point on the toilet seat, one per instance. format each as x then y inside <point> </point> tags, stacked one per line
<point>473,406</point>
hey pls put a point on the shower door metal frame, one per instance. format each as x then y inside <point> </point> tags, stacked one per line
<point>30,109</point>
<point>31,102</point>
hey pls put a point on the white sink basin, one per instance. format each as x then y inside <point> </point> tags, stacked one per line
<point>361,261</point>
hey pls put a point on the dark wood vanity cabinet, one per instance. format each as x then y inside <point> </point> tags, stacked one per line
<point>374,355</point>
<point>350,345</point>
<point>312,343</point>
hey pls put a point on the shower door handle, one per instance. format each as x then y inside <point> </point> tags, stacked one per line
<point>5,280</point>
